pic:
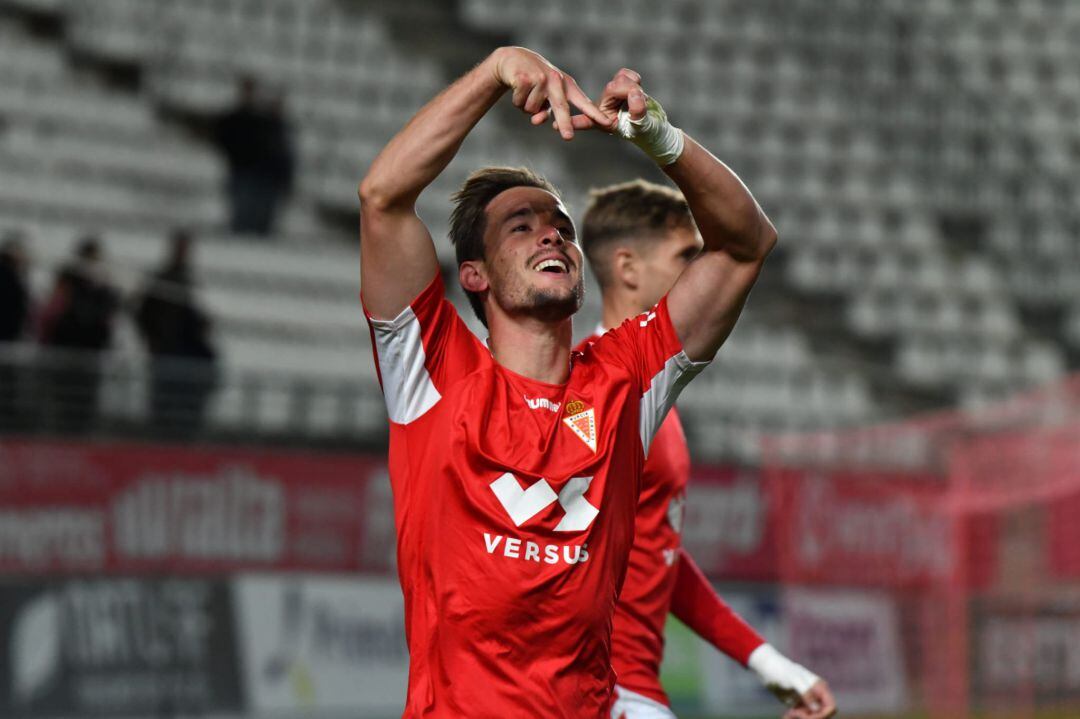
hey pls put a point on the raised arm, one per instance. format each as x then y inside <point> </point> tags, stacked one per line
<point>397,255</point>
<point>708,297</point>
<point>706,300</point>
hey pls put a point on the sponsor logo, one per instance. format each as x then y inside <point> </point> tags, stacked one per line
<point>35,649</point>
<point>118,647</point>
<point>542,403</point>
<point>313,645</point>
<point>524,504</point>
<point>529,551</point>
<point>1031,650</point>
<point>40,537</point>
<point>890,531</point>
<point>233,514</point>
<point>315,630</point>
<point>724,520</point>
<point>582,421</point>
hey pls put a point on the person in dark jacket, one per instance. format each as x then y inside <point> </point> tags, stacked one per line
<point>14,316</point>
<point>77,325</point>
<point>176,332</point>
<point>255,137</point>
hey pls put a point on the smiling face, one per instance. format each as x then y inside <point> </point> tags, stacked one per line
<point>532,265</point>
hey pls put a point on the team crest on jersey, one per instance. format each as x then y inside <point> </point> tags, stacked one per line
<point>582,421</point>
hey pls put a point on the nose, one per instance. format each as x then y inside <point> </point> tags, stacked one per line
<point>551,236</point>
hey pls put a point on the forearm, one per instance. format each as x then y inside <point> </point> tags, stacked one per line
<point>727,215</point>
<point>427,144</point>
<point>697,605</point>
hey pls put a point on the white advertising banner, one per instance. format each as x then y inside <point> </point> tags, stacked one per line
<point>314,644</point>
<point>852,640</point>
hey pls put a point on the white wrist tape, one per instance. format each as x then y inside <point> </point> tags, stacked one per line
<point>779,674</point>
<point>659,139</point>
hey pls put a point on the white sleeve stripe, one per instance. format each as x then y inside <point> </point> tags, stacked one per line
<point>664,389</point>
<point>407,386</point>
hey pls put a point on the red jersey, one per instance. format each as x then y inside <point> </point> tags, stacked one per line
<point>514,502</point>
<point>661,577</point>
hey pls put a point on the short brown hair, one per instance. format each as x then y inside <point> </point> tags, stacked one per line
<point>468,221</point>
<point>634,210</point>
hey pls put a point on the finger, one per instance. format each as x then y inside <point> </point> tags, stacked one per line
<point>542,115</point>
<point>536,99</point>
<point>801,712</point>
<point>636,103</point>
<point>819,702</point>
<point>629,74</point>
<point>620,87</point>
<point>521,93</point>
<point>615,94</point>
<point>584,122</point>
<point>561,108</point>
<point>579,122</point>
<point>582,102</point>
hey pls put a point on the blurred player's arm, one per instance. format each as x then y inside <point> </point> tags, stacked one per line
<point>696,604</point>
<point>397,254</point>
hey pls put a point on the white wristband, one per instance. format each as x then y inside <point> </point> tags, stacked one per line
<point>783,677</point>
<point>657,137</point>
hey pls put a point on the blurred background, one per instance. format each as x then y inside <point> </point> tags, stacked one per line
<point>194,513</point>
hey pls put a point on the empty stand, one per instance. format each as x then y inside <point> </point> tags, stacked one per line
<point>919,168</point>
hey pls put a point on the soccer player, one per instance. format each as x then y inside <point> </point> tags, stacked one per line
<point>516,464</point>
<point>639,237</point>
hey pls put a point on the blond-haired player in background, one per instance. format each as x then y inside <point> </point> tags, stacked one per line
<point>638,238</point>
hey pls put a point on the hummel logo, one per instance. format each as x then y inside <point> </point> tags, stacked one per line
<point>648,318</point>
<point>524,504</point>
<point>542,403</point>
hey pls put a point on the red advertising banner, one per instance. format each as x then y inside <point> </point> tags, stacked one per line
<point>730,523</point>
<point>68,507</point>
<point>842,528</point>
<point>81,507</point>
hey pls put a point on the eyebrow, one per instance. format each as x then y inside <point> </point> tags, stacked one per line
<point>527,210</point>
<point>521,212</point>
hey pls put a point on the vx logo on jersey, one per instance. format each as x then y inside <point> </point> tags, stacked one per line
<point>524,504</point>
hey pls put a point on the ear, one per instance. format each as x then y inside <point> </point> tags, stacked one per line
<point>625,267</point>
<point>472,276</point>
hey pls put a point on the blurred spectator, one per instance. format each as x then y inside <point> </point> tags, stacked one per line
<point>77,322</point>
<point>255,138</point>
<point>14,294</point>
<point>177,336</point>
<point>14,312</point>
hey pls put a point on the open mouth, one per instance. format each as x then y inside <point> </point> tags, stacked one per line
<point>552,266</point>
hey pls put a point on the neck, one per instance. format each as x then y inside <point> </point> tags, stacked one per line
<point>618,306</point>
<point>533,348</point>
